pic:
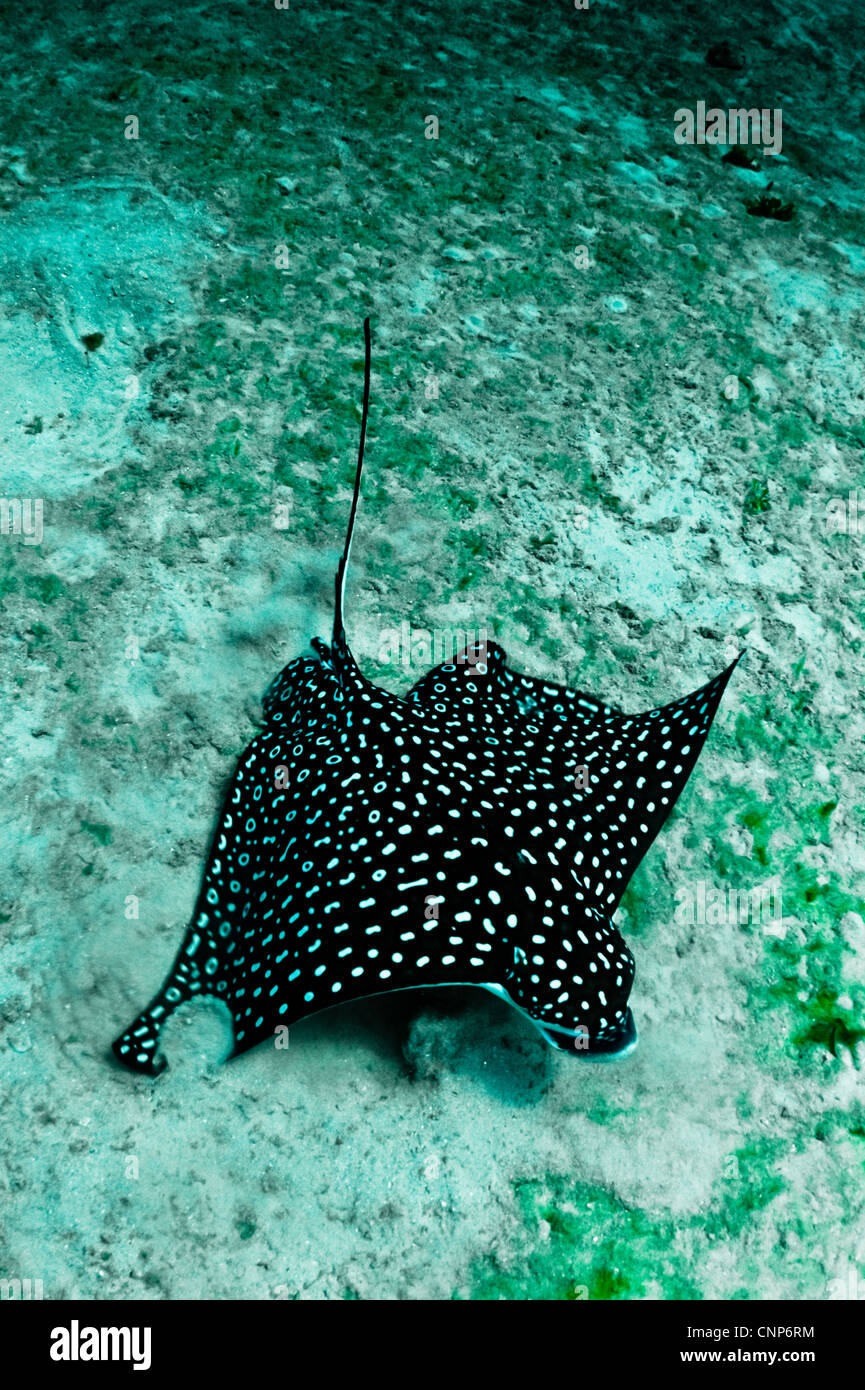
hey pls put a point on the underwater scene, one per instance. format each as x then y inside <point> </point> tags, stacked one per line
<point>432,535</point>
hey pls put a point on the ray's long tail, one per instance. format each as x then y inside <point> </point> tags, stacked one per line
<point>339,638</point>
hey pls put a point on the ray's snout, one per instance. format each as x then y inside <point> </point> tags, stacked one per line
<point>608,1045</point>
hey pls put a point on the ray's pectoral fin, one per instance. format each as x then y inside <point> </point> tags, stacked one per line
<point>138,1047</point>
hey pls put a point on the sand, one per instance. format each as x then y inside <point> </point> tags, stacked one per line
<point>617,420</point>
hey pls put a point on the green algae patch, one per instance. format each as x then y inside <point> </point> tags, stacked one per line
<point>829,1025</point>
<point>647,888</point>
<point>473,554</point>
<point>44,588</point>
<point>753,1183</point>
<point>581,1243</point>
<point>805,956</point>
<point>102,834</point>
<point>756,498</point>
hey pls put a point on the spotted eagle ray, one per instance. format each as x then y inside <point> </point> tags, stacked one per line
<point>481,831</point>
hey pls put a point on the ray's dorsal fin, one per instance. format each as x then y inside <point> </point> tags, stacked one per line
<point>339,638</point>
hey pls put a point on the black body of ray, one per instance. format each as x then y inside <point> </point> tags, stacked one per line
<point>371,843</point>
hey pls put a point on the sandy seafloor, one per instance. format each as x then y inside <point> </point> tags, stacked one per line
<point>696,388</point>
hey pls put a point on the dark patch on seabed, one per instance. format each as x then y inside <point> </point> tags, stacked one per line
<point>617,427</point>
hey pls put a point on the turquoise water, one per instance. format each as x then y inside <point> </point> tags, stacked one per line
<point>617,423</point>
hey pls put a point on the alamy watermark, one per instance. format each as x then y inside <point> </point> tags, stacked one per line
<point>22,517</point>
<point>847,1286</point>
<point>409,646</point>
<point>77,1343</point>
<point>757,126</point>
<point>845,516</point>
<point>706,905</point>
<point>18,1290</point>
